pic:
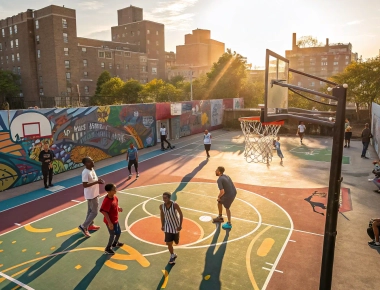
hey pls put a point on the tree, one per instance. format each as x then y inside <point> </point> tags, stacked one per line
<point>130,91</point>
<point>9,85</point>
<point>253,91</point>
<point>160,91</point>
<point>308,41</point>
<point>177,81</point>
<point>103,78</point>
<point>226,76</point>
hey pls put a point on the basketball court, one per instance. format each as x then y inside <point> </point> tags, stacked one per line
<point>278,215</point>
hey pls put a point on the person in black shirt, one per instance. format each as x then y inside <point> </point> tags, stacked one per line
<point>46,158</point>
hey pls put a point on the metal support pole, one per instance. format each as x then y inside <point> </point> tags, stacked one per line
<point>334,191</point>
<point>191,85</point>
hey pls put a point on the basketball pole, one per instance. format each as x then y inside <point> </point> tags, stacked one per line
<point>335,180</point>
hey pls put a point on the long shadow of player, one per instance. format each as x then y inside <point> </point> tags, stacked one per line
<point>213,262</point>
<point>188,177</point>
<point>164,279</point>
<point>43,265</point>
<point>86,281</point>
<point>315,204</point>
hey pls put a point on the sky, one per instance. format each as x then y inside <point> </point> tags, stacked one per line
<point>248,27</point>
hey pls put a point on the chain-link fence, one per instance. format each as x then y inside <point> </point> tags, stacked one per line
<point>48,102</point>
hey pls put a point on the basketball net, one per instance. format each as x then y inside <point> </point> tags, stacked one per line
<point>258,140</point>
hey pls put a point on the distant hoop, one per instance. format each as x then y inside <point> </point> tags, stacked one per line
<point>259,138</point>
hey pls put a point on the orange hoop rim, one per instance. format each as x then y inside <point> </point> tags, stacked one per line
<point>257,119</point>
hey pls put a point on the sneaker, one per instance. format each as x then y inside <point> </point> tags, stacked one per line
<point>374,244</point>
<point>227,226</point>
<point>130,175</point>
<point>93,228</point>
<point>365,157</point>
<point>137,175</point>
<point>218,219</point>
<point>84,231</point>
<point>173,147</point>
<point>172,259</point>
<point>345,146</point>
<point>118,245</point>
<point>46,186</point>
<point>109,251</point>
<point>51,184</point>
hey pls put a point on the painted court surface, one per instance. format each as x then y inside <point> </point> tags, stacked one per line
<point>275,242</point>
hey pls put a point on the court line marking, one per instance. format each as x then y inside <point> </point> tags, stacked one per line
<point>269,263</point>
<point>159,154</point>
<point>75,200</point>
<point>292,241</point>
<point>127,228</point>
<point>274,270</point>
<point>16,281</point>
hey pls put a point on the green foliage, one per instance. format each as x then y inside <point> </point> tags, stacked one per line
<point>103,78</point>
<point>177,81</point>
<point>160,91</point>
<point>9,85</point>
<point>253,91</point>
<point>308,41</point>
<point>226,76</point>
<point>130,91</point>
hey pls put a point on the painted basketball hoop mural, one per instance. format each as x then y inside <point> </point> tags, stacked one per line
<point>30,125</point>
<point>276,109</point>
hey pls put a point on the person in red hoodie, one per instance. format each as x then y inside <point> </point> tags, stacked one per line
<point>110,209</point>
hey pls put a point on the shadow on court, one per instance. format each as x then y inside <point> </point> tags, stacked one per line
<point>188,177</point>
<point>86,281</point>
<point>315,204</point>
<point>213,262</point>
<point>43,265</point>
<point>163,281</point>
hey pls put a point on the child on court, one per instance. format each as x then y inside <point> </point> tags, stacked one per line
<point>278,148</point>
<point>110,209</point>
<point>133,159</point>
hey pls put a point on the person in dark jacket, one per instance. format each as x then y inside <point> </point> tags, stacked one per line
<point>46,158</point>
<point>366,137</point>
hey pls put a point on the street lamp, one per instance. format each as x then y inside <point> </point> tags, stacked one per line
<point>191,84</point>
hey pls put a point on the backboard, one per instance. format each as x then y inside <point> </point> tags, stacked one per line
<point>31,130</point>
<point>277,89</point>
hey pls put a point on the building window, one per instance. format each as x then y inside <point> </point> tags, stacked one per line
<point>142,58</point>
<point>10,30</point>
<point>148,31</point>
<point>143,68</point>
<point>65,38</point>
<point>347,57</point>
<point>6,57</point>
<point>13,57</point>
<point>16,42</point>
<point>127,54</point>
<point>67,64</point>
<point>123,35</point>
<point>312,84</point>
<point>11,43</point>
<point>101,54</point>
<point>157,42</point>
<point>68,76</point>
<point>1,46</point>
<point>102,64</point>
<point>108,54</point>
<point>156,32</point>
<point>37,25</point>
<point>132,33</point>
<point>336,62</point>
<point>154,70</point>
<point>347,62</point>
<point>3,32</point>
<point>127,66</point>
<point>110,65</point>
<point>324,58</point>
<point>19,70</point>
<point>37,39</point>
<point>18,56</point>
<point>68,90</point>
<point>85,74</point>
<point>65,50</point>
<point>324,63</point>
<point>86,90</point>
<point>336,57</point>
<point>40,81</point>
<point>41,92</point>
<point>299,84</point>
<point>39,66</point>
<point>64,23</point>
<point>148,42</point>
<point>323,68</point>
<point>84,49</point>
<point>38,53</point>
<point>118,66</point>
<point>15,29</point>
<point>85,62</point>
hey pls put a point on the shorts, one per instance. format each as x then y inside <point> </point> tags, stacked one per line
<point>207,147</point>
<point>169,237</point>
<point>132,162</point>
<point>301,135</point>
<point>226,201</point>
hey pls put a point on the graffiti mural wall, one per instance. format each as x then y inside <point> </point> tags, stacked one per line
<point>100,132</point>
<point>376,127</point>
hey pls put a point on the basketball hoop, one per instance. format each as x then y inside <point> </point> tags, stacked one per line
<point>259,139</point>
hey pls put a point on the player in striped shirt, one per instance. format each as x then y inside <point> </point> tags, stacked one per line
<point>171,223</point>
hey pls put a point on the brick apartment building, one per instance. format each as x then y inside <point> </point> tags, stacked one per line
<point>322,61</point>
<point>42,46</point>
<point>197,55</point>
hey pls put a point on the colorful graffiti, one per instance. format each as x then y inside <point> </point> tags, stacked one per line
<point>376,127</point>
<point>100,132</point>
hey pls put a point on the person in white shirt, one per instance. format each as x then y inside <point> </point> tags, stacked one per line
<point>207,142</point>
<point>91,193</point>
<point>301,131</point>
<point>163,139</point>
